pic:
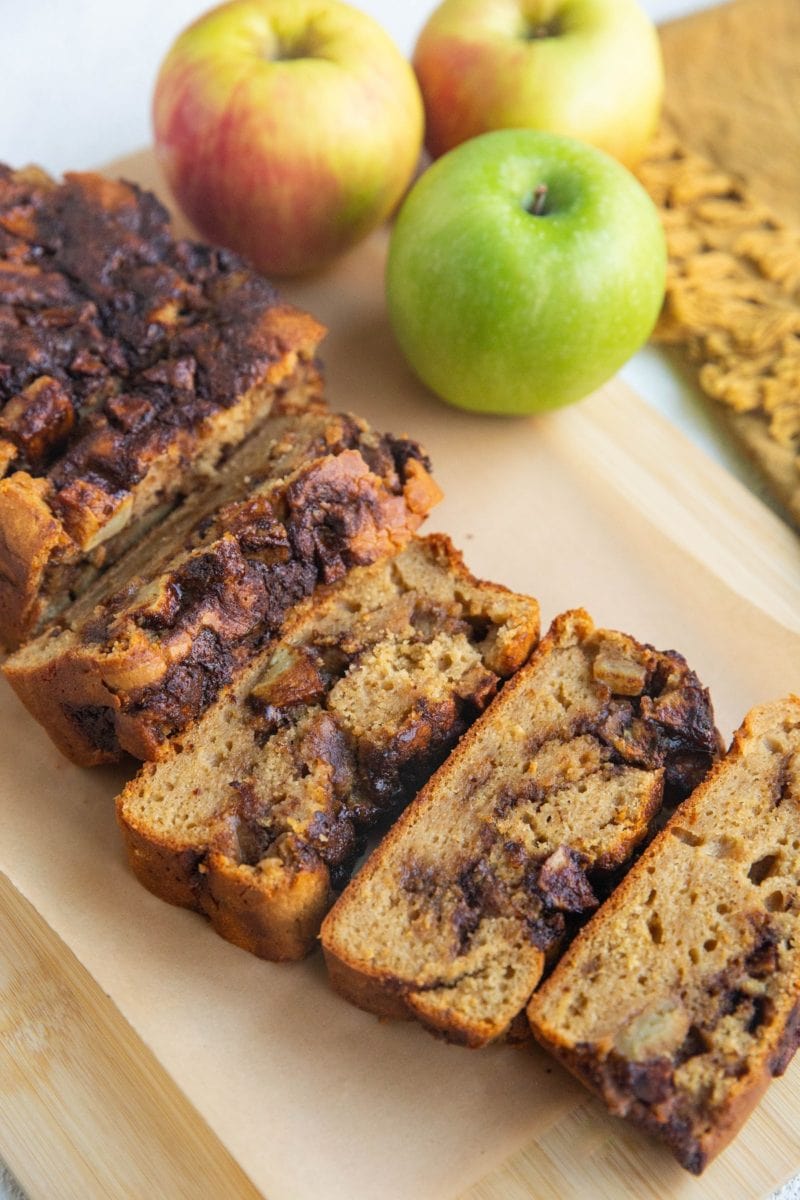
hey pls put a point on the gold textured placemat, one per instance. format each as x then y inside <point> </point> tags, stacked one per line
<point>732,305</point>
<point>733,93</point>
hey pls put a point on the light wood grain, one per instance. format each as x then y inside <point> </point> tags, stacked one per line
<point>588,1155</point>
<point>733,93</point>
<point>86,1110</point>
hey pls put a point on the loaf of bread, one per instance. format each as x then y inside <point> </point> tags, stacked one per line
<point>258,812</point>
<point>681,998</point>
<point>454,916</point>
<point>130,363</point>
<point>308,497</point>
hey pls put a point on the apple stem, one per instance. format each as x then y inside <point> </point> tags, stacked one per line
<point>545,29</point>
<point>539,201</point>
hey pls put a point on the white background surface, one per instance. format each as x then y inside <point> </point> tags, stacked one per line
<point>77,74</point>
<point>76,78</point>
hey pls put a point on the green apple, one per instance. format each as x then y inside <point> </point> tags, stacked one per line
<point>590,69</point>
<point>524,269</point>
<point>287,129</point>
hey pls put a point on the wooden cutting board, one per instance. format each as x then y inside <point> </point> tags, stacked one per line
<point>733,93</point>
<point>141,1056</point>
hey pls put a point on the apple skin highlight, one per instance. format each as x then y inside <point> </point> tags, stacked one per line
<point>287,129</point>
<point>500,310</point>
<point>589,69</point>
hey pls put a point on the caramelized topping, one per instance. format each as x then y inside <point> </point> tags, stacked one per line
<point>140,333</point>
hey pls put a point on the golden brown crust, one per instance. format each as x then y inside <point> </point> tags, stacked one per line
<point>30,539</point>
<point>276,922</point>
<point>166,867</point>
<point>369,992</point>
<point>256,815</point>
<point>152,654</point>
<point>454,915</point>
<point>71,701</point>
<point>129,362</point>
<point>680,1000</point>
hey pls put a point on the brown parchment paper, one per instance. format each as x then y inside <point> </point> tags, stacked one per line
<point>312,1097</point>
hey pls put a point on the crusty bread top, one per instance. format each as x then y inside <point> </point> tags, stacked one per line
<point>554,785</point>
<point>682,995</point>
<point>129,362</point>
<point>110,317</point>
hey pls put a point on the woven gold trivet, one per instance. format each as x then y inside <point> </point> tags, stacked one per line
<point>733,305</point>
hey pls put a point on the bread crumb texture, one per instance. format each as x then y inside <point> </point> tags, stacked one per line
<point>257,816</point>
<point>164,638</point>
<point>455,915</point>
<point>679,1001</point>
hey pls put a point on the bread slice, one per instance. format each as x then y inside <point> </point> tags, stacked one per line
<point>130,364</point>
<point>454,916</point>
<point>313,496</point>
<point>259,811</point>
<point>681,998</point>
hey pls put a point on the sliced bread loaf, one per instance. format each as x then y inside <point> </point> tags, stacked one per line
<point>681,998</point>
<point>258,812</point>
<point>215,583</point>
<point>130,364</point>
<point>453,917</point>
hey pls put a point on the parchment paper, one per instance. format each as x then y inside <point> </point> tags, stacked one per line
<point>313,1097</point>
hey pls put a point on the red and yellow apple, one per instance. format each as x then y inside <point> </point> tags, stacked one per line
<point>589,69</point>
<point>287,129</point>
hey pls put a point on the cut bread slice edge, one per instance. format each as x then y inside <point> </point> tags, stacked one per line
<point>454,917</point>
<point>200,595</point>
<point>257,813</point>
<point>680,1000</point>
